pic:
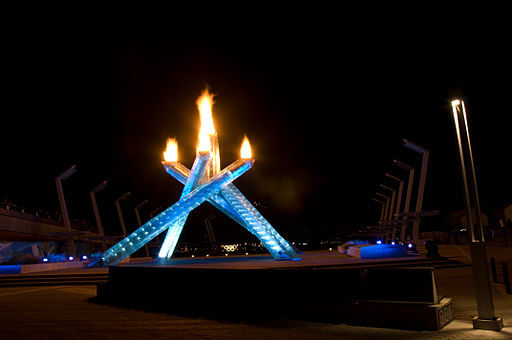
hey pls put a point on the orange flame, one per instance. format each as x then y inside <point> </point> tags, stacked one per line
<point>171,151</point>
<point>245,150</point>
<point>204,105</point>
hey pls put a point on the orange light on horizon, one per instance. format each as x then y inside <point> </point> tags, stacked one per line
<point>171,151</point>
<point>245,150</point>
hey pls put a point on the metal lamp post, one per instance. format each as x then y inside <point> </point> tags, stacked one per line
<point>386,212</point>
<point>398,202</point>
<point>382,207</point>
<point>67,224</point>
<point>390,212</point>
<point>399,195</point>
<point>120,212</point>
<point>421,185</point>
<point>392,204</point>
<point>93,193</point>
<point>386,208</point>
<point>486,318</point>
<point>408,194</point>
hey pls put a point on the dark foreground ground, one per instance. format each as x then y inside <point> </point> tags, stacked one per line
<point>71,312</point>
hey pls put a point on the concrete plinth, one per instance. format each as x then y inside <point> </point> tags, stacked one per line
<point>493,325</point>
<point>387,297</point>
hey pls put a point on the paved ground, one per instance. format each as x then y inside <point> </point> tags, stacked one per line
<point>68,312</point>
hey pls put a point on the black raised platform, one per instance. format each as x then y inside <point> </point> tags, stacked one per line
<point>325,287</point>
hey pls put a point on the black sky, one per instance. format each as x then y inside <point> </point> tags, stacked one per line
<point>324,99</point>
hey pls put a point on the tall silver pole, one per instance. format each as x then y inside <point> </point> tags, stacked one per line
<point>101,231</point>
<point>120,212</point>
<point>63,208</point>
<point>486,318</point>
<point>479,225</point>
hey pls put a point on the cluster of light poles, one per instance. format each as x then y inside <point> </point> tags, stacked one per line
<point>486,318</point>
<point>65,215</point>
<point>390,198</point>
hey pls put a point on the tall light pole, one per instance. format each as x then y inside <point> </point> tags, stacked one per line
<point>64,210</point>
<point>139,222</point>
<point>400,192</point>
<point>486,318</point>
<point>386,211</point>
<point>421,186</point>
<point>386,208</point>
<point>382,205</point>
<point>93,193</point>
<point>392,204</point>
<point>398,202</point>
<point>409,168</point>
<point>390,212</point>
<point>120,212</point>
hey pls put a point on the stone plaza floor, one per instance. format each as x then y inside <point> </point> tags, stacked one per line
<point>70,312</point>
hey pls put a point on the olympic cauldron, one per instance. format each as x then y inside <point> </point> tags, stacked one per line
<point>204,182</point>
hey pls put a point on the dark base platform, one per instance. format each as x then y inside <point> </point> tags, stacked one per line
<point>390,296</point>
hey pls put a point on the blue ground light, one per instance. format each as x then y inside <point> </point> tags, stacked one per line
<point>382,251</point>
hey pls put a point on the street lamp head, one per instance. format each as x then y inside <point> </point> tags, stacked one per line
<point>402,165</point>
<point>125,196</point>
<point>378,201</point>
<point>393,177</point>
<point>141,204</point>
<point>100,186</point>
<point>410,145</point>
<point>386,187</point>
<point>67,173</point>
<point>382,195</point>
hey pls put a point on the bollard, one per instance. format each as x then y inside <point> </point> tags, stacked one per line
<point>506,279</point>
<point>493,270</point>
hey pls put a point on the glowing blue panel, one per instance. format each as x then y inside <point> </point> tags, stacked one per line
<point>383,251</point>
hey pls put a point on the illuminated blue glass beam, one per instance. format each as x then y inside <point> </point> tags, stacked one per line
<point>197,176</point>
<point>173,214</point>
<point>180,172</point>
<point>233,203</point>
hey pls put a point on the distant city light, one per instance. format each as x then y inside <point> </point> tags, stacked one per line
<point>71,258</point>
<point>393,243</point>
<point>409,245</point>
<point>45,259</point>
<point>84,257</point>
<point>379,242</point>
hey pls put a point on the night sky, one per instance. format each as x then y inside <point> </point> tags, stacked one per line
<point>325,100</point>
